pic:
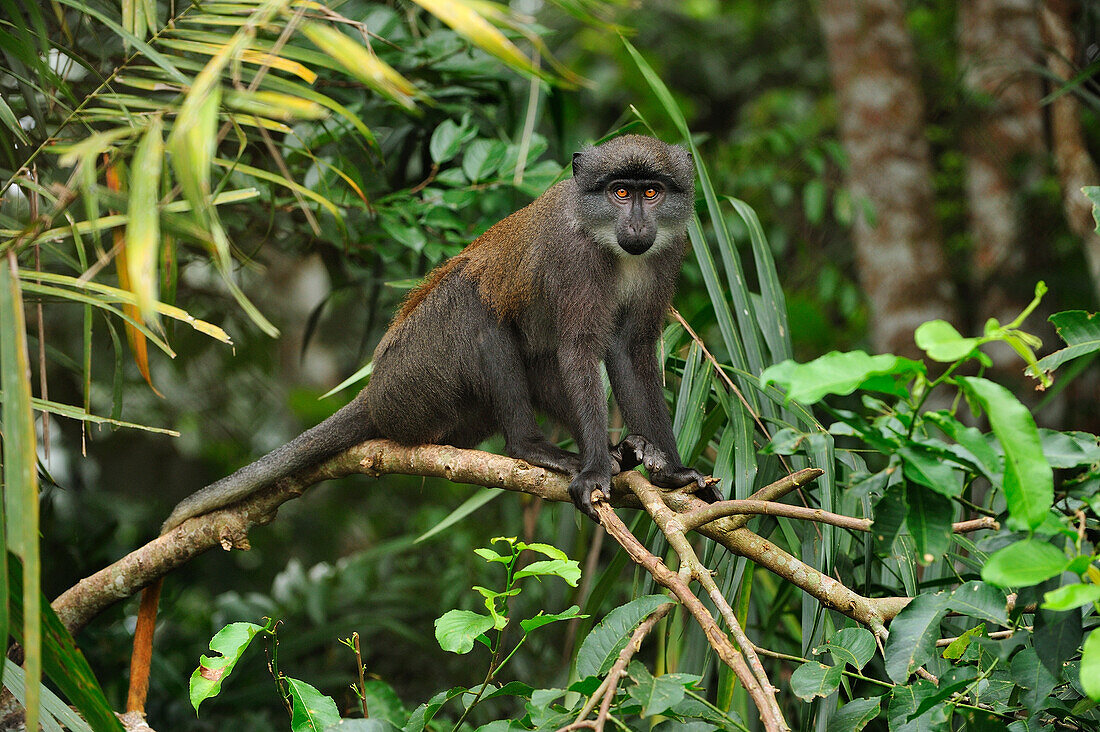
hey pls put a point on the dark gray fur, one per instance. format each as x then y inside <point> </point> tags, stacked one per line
<point>518,323</point>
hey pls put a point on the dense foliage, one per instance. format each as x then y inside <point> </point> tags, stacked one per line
<point>181,183</point>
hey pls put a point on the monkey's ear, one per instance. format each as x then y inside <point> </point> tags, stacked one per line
<point>576,163</point>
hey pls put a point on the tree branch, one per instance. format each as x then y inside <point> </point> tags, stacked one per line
<point>229,527</point>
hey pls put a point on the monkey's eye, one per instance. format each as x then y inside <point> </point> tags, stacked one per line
<point>651,193</point>
<point>621,193</point>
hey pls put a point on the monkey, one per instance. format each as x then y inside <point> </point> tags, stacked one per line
<point>516,323</point>
<point>519,322</point>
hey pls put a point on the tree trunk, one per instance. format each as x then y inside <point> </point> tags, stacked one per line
<point>898,251</point>
<point>998,42</point>
<point>1075,167</point>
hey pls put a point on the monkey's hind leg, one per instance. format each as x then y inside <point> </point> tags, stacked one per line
<point>509,394</point>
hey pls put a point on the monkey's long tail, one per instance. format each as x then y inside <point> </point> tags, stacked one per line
<point>347,428</point>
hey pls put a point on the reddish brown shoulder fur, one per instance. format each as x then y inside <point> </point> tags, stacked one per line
<point>421,291</point>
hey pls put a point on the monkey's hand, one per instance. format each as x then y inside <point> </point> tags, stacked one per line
<point>582,487</point>
<point>665,471</point>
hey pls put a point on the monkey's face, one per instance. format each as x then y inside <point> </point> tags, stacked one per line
<point>636,193</point>
<point>636,205</point>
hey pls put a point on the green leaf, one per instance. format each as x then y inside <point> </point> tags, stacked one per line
<point>362,63</point>
<point>957,647</point>
<point>230,642</point>
<point>1093,194</point>
<point>1032,675</point>
<point>62,661</point>
<point>929,469</point>
<point>980,600</point>
<point>542,618</point>
<point>657,694</point>
<point>464,18</point>
<point>1025,563</point>
<point>1028,479</point>
<point>469,506</point>
<point>143,224</point>
<point>567,569</point>
<point>456,630</point>
<point>600,648</point>
<point>815,679</point>
<point>547,550</point>
<point>813,201</point>
<point>1081,332</point>
<point>1072,596</point>
<point>855,715</point>
<point>423,714</point>
<point>448,138</point>
<point>913,635</point>
<point>383,703</point>
<point>929,522</point>
<point>55,712</point>
<point>1070,449</point>
<point>943,343</point>
<point>890,511</point>
<point>905,700</point>
<point>312,711</point>
<point>853,646</point>
<point>1090,666</point>
<point>19,514</point>
<point>482,158</point>
<point>835,373</point>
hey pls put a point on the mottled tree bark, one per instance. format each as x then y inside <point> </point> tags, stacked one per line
<point>898,252</point>
<point>1075,167</point>
<point>998,42</point>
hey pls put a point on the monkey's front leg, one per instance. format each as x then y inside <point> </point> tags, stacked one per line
<point>584,392</point>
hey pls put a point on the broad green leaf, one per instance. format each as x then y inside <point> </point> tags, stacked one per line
<point>913,635</point>
<point>364,725</point>
<point>1081,332</point>
<point>930,470</point>
<point>482,158</point>
<point>19,515</point>
<point>469,24</point>
<point>905,700</point>
<point>1072,596</point>
<point>311,711</point>
<point>980,600</point>
<point>957,647</point>
<point>567,569</point>
<point>143,226</point>
<point>855,715</point>
<point>1028,672</point>
<point>230,643</point>
<point>547,550</point>
<point>1070,449</point>
<point>542,619</point>
<point>854,646</point>
<point>1028,480</point>
<point>929,522</point>
<point>835,373</point>
<point>815,679</point>
<point>448,138</point>
<point>362,63</point>
<point>943,343</point>
<point>889,515</point>
<point>600,648</point>
<point>456,630</point>
<point>1025,563</point>
<point>383,703</point>
<point>423,714</point>
<point>657,694</point>
<point>62,661</point>
<point>1090,666</point>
